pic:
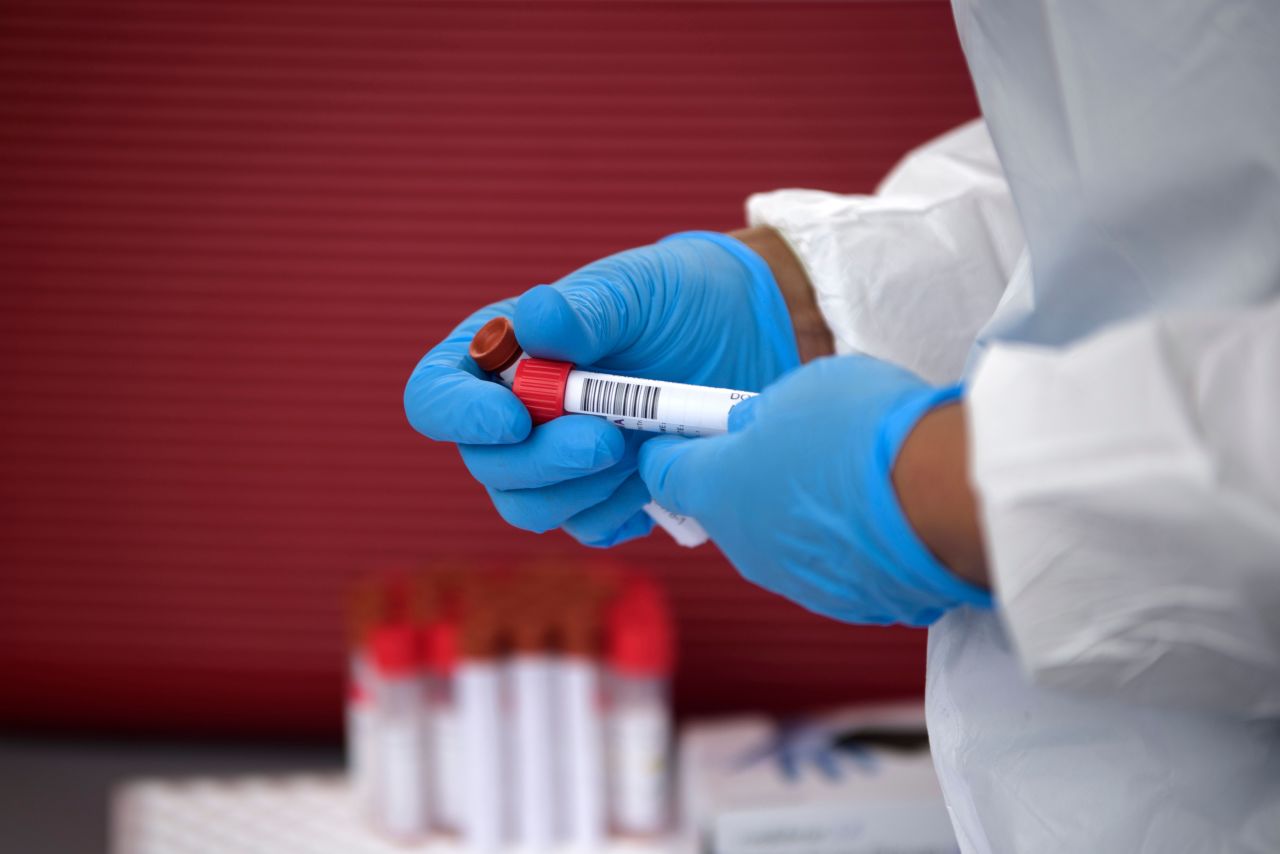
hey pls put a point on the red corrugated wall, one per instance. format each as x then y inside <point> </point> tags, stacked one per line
<point>227,232</point>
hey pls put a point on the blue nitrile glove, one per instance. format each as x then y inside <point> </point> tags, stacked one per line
<point>799,494</point>
<point>698,307</point>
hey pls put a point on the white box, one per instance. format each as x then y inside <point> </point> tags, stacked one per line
<point>852,781</point>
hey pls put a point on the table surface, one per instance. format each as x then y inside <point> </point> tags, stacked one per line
<point>186,797</point>
<point>55,792</point>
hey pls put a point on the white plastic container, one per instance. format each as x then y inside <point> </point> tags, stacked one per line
<point>444,729</point>
<point>361,730</point>
<point>639,726</point>
<point>484,743</point>
<point>401,756</point>
<point>534,745</point>
<point>639,735</point>
<point>550,389</point>
<point>580,729</point>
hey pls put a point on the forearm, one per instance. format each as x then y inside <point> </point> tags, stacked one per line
<point>931,477</point>
<point>932,473</point>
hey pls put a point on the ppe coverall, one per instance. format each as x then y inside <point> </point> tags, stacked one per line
<point>1100,262</point>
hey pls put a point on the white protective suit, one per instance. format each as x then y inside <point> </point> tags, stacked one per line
<point>1124,410</point>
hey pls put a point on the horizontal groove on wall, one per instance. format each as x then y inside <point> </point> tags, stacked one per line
<point>228,231</point>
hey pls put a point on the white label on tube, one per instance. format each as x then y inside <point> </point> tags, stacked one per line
<point>638,739</point>
<point>479,699</point>
<point>685,530</point>
<point>446,743</point>
<point>361,732</point>
<point>582,742</point>
<point>403,791</point>
<point>652,405</point>
<point>533,751</point>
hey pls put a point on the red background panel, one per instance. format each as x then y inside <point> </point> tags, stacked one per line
<point>228,231</point>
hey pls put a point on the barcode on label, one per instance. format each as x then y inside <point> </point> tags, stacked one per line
<point>628,400</point>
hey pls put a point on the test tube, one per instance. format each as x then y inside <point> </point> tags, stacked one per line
<point>479,697</point>
<point>361,732</point>
<point>401,755</point>
<point>366,610</point>
<point>550,389</point>
<point>533,747</point>
<point>444,728</point>
<point>638,726</point>
<point>580,727</point>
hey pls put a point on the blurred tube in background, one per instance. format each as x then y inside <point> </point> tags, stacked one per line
<point>365,614</point>
<point>533,748</point>
<point>639,719</point>
<point>481,724</point>
<point>400,733</point>
<point>580,731</point>
<point>488,716</point>
<point>445,732</point>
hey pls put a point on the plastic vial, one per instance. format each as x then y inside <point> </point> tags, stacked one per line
<point>639,719</point>
<point>550,389</point>
<point>533,745</point>
<point>400,733</point>
<point>444,727</point>
<point>580,722</point>
<point>361,729</point>
<point>479,697</point>
<point>365,610</point>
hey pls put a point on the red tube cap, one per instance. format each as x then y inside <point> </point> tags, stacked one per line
<point>540,385</point>
<point>442,646</point>
<point>494,346</point>
<point>640,634</point>
<point>396,650</point>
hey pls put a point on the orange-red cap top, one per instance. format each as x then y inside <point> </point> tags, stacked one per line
<point>482,635</point>
<point>442,646</point>
<point>396,649</point>
<point>366,609</point>
<point>397,591</point>
<point>640,636</point>
<point>494,346</point>
<point>579,633</point>
<point>531,630</point>
<point>423,598</point>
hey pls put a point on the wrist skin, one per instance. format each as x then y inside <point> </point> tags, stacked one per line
<point>931,474</point>
<point>813,337</point>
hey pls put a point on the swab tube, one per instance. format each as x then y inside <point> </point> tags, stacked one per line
<point>361,733</point>
<point>581,731</point>
<point>534,748</point>
<point>401,763</point>
<point>365,614</point>
<point>444,728</point>
<point>639,722</point>
<point>549,389</point>
<point>479,698</point>
<point>514,711</point>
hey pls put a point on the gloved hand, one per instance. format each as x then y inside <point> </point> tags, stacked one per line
<point>699,308</point>
<point>799,494</point>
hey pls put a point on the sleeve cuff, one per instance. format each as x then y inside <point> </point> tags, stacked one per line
<point>766,299</point>
<point>913,556</point>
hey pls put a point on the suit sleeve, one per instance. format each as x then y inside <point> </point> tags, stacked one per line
<point>911,273</point>
<point>1130,489</point>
